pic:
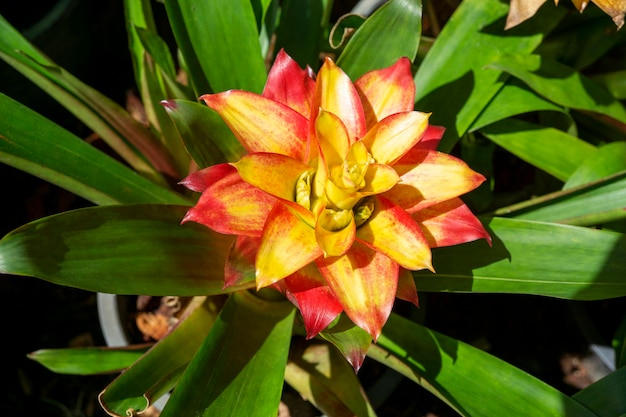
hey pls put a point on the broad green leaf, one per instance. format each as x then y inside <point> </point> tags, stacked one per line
<point>300,30</point>
<point>551,150</point>
<point>87,360</point>
<point>34,144</point>
<point>471,381</point>
<point>207,138</point>
<point>227,53</point>
<point>513,99</point>
<point>614,82</point>
<point>129,249</point>
<point>590,204</point>
<point>531,257</point>
<point>607,396</point>
<point>609,159</point>
<point>322,376</point>
<point>452,81</point>
<point>157,372</point>
<point>561,84</point>
<point>239,369</point>
<point>405,17</point>
<point>126,136</point>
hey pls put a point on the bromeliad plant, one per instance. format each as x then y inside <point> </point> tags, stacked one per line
<point>324,186</point>
<point>342,191</point>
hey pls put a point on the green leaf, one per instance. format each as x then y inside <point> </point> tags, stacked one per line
<point>609,159</point>
<point>300,30</point>
<point>126,136</point>
<point>561,84</point>
<point>514,98</point>
<point>452,81</point>
<point>462,375</point>
<point>130,249</point>
<point>228,54</point>
<point>405,17</point>
<point>322,376</point>
<point>591,204</point>
<point>207,138</point>
<point>161,367</point>
<point>614,82</point>
<point>34,144</point>
<point>88,360</point>
<point>607,396</point>
<point>530,257</point>
<point>239,369</point>
<point>138,14</point>
<point>551,150</point>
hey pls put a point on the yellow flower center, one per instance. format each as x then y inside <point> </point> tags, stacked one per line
<point>341,190</point>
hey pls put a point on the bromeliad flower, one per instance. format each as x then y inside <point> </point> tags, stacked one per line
<point>341,193</point>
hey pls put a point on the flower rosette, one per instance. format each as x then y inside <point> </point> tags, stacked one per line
<point>341,193</point>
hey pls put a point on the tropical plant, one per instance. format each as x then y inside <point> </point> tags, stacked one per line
<point>298,164</point>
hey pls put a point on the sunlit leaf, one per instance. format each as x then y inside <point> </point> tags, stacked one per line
<point>405,16</point>
<point>101,248</point>
<point>451,370</point>
<point>239,369</point>
<point>530,257</point>
<point>155,373</point>
<point>36,145</point>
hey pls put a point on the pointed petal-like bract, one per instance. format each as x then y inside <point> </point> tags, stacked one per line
<point>364,281</point>
<point>288,244</point>
<point>431,138</point>
<point>336,94</point>
<point>387,91</point>
<point>393,232</point>
<point>450,223</point>
<point>289,84</point>
<point>318,305</point>
<point>239,266</point>
<point>332,137</point>
<point>273,173</point>
<point>395,135</point>
<point>429,178</point>
<point>406,287</point>
<point>229,205</point>
<point>261,124</point>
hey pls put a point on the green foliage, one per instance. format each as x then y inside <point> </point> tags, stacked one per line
<point>521,92</point>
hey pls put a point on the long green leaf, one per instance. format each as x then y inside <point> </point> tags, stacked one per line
<point>88,360</point>
<point>530,257</point>
<point>34,144</point>
<point>135,144</point>
<point>239,369</point>
<point>471,381</point>
<point>207,138</point>
<point>320,374</point>
<point>452,81</point>
<point>549,149</point>
<point>405,17</point>
<point>513,99</point>
<point>606,397</point>
<point>156,372</point>
<point>561,84</point>
<point>221,39</point>
<point>130,249</point>
<point>594,203</point>
<point>300,30</point>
